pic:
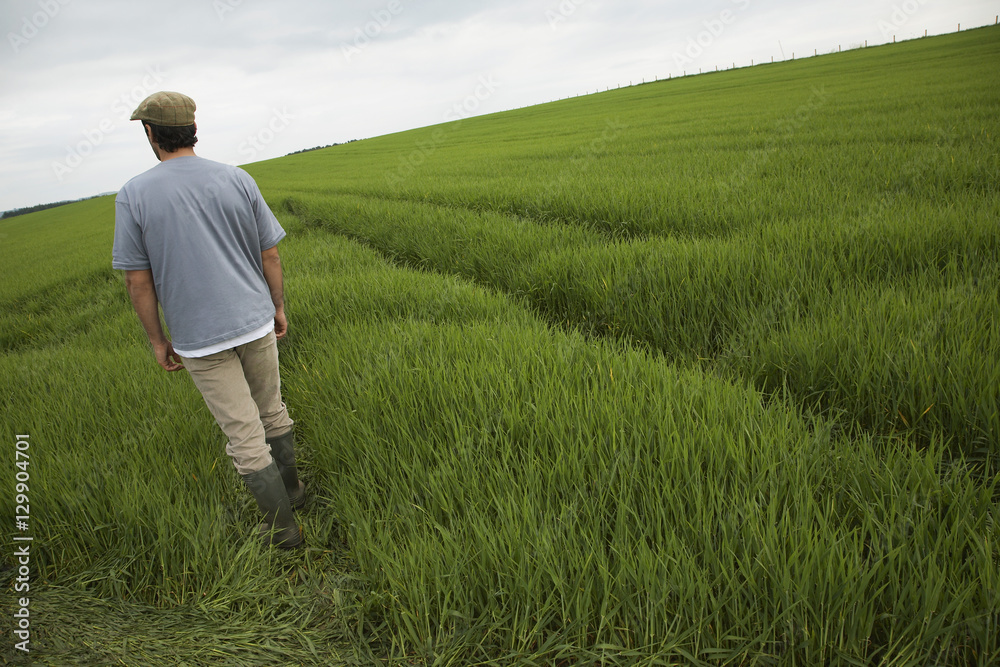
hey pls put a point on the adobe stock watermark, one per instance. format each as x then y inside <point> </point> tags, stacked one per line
<point>585,156</point>
<point>785,129</point>
<point>363,35</point>
<point>22,541</point>
<point>424,149</point>
<point>255,143</point>
<point>562,13</point>
<point>901,15</point>
<point>470,105</point>
<point>223,7</point>
<point>32,25</point>
<point>788,126</point>
<point>914,173</point>
<point>714,29</point>
<point>121,109</point>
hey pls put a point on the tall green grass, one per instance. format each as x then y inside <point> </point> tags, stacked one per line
<point>694,372</point>
<point>801,226</point>
<point>867,319</point>
<point>621,508</point>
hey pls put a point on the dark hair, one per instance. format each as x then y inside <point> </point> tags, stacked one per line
<point>171,139</point>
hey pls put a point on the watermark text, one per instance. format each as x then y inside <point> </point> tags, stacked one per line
<point>562,13</point>
<point>278,123</point>
<point>424,149</point>
<point>714,29</point>
<point>22,542</point>
<point>901,15</point>
<point>32,25</point>
<point>363,35</point>
<point>121,110</point>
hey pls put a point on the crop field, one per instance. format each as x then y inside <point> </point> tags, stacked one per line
<point>703,371</point>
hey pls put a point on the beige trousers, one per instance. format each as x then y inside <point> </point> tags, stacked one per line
<point>242,389</point>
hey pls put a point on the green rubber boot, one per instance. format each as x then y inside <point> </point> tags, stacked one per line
<point>283,453</point>
<point>279,528</point>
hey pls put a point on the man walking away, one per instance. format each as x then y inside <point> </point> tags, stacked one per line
<point>196,238</point>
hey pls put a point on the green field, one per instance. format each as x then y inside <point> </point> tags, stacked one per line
<point>697,372</point>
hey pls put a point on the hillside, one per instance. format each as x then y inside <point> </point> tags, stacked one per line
<point>796,224</point>
<point>692,372</point>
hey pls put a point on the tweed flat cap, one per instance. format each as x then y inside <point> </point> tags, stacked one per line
<point>167,109</point>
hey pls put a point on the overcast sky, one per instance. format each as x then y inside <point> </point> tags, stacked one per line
<point>270,77</point>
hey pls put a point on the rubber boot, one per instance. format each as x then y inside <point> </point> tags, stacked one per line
<point>279,528</point>
<point>283,453</point>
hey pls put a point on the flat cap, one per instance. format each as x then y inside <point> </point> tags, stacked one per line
<point>167,109</point>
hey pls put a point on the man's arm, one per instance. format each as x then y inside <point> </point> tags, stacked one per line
<point>275,282</point>
<point>142,291</point>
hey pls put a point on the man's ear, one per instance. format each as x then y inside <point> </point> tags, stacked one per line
<point>152,143</point>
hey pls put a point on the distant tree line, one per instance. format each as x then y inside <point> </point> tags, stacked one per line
<point>316,148</point>
<point>31,209</point>
<point>41,207</point>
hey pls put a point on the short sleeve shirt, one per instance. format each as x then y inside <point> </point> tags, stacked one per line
<point>200,227</point>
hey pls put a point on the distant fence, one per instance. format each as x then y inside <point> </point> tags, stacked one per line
<point>996,21</point>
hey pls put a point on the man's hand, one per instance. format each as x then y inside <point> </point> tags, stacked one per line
<point>142,291</point>
<point>275,283</point>
<point>166,357</point>
<point>280,324</point>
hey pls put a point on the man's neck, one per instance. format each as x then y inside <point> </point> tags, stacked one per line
<point>180,152</point>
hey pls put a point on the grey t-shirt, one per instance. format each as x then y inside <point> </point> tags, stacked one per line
<point>200,226</point>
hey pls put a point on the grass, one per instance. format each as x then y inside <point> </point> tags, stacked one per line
<point>694,372</point>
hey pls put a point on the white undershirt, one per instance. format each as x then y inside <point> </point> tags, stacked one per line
<point>228,344</point>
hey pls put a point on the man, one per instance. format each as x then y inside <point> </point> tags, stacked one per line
<point>196,238</point>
